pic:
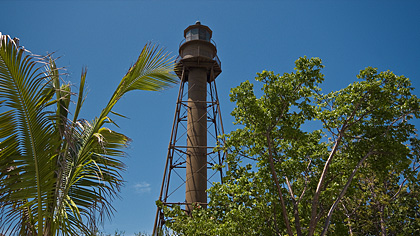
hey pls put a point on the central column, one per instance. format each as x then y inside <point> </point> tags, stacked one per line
<point>196,183</point>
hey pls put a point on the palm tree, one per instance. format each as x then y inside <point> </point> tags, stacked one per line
<point>59,174</point>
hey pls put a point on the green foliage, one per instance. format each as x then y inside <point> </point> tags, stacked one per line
<point>59,174</point>
<point>120,233</point>
<point>306,163</point>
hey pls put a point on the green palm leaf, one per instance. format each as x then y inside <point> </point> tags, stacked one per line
<point>97,148</point>
<point>21,85</point>
<point>59,175</point>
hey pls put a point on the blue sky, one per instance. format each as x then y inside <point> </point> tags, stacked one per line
<point>107,36</point>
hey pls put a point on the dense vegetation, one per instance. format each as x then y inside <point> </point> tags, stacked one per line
<point>306,163</point>
<point>59,173</point>
<point>300,162</point>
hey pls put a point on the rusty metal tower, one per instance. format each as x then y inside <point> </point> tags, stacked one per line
<point>196,128</point>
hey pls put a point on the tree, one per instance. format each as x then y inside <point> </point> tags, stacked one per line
<point>307,163</point>
<point>59,174</point>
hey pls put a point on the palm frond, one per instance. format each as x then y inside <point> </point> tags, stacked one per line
<point>57,175</point>
<point>21,85</point>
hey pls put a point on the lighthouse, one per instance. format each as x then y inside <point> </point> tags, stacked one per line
<point>197,60</point>
<point>197,126</point>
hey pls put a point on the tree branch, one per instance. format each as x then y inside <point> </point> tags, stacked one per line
<point>343,191</point>
<point>315,201</point>
<point>312,223</point>
<point>295,208</point>
<point>401,185</point>
<point>306,182</point>
<point>274,175</point>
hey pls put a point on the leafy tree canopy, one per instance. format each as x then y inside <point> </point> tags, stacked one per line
<point>306,163</point>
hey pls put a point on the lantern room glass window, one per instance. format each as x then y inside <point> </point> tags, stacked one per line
<point>197,33</point>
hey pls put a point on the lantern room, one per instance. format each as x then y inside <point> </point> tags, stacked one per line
<point>197,32</point>
<point>198,50</point>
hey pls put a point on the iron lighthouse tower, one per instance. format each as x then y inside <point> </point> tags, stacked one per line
<point>197,125</point>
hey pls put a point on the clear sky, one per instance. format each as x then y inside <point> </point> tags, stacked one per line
<point>107,36</point>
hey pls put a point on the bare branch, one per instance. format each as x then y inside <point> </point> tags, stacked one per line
<point>315,201</point>
<point>306,182</point>
<point>312,223</point>
<point>401,185</point>
<point>343,191</point>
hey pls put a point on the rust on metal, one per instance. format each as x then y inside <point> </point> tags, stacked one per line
<point>188,161</point>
